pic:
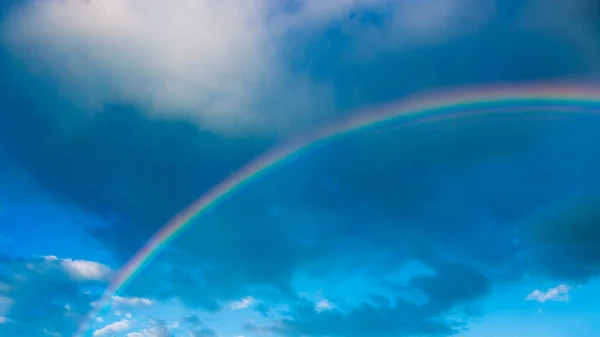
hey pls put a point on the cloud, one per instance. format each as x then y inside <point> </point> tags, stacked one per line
<point>134,334</point>
<point>85,270</point>
<point>158,331</point>
<point>61,301</point>
<point>81,270</point>
<point>564,239</point>
<point>134,301</point>
<point>216,63</point>
<point>229,66</point>
<point>324,305</point>
<point>308,219</point>
<point>5,304</point>
<point>560,293</point>
<point>415,23</point>
<point>113,327</point>
<point>242,304</point>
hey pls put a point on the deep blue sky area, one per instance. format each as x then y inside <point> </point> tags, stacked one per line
<point>115,115</point>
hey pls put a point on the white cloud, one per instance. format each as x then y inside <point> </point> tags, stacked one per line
<point>128,316</point>
<point>242,304</point>
<point>3,319</point>
<point>323,305</point>
<point>134,334</point>
<point>113,327</point>
<point>214,61</point>
<point>85,270</point>
<point>559,293</point>
<point>79,270</point>
<point>132,300</point>
<point>221,63</point>
<point>50,258</point>
<point>156,332</point>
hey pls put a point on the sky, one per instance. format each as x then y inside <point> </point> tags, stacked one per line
<point>115,115</point>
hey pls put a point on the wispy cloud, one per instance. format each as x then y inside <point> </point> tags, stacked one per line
<point>242,304</point>
<point>132,300</point>
<point>560,293</point>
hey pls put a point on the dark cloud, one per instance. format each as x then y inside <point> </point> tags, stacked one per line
<point>381,317</point>
<point>123,166</point>
<point>565,239</point>
<point>322,219</point>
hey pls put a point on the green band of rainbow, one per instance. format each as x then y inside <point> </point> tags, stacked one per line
<point>534,98</point>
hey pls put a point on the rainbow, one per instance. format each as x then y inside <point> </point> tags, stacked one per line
<point>530,98</point>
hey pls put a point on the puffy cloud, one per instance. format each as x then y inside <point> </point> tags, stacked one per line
<point>81,270</point>
<point>113,327</point>
<point>222,64</point>
<point>560,293</point>
<point>85,270</point>
<point>215,62</point>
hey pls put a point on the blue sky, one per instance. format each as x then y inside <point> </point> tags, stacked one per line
<point>117,114</point>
